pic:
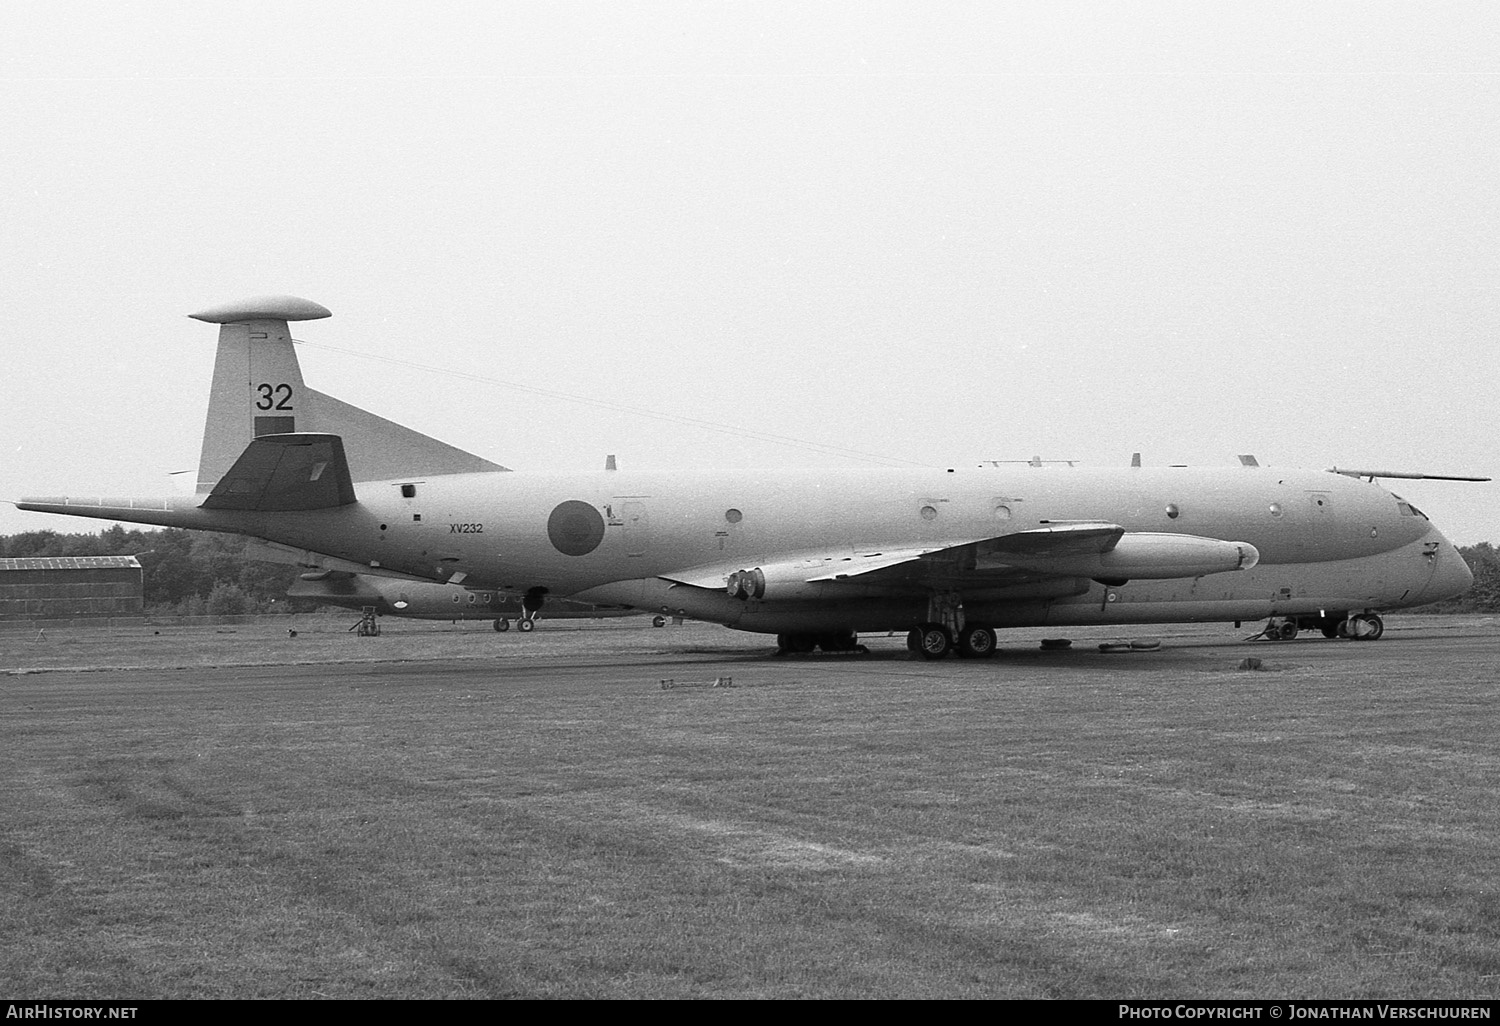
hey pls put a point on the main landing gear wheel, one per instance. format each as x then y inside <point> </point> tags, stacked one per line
<point>934,641</point>
<point>525,626</point>
<point>795,644</point>
<point>839,641</point>
<point>502,625</point>
<point>976,642</point>
<point>1287,631</point>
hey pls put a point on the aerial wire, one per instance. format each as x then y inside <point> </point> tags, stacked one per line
<point>618,407</point>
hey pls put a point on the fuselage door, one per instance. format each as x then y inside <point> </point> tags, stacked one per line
<point>637,526</point>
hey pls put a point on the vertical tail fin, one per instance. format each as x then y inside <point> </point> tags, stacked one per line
<point>257,387</point>
<point>258,390</point>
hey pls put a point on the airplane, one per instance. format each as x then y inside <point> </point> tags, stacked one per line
<point>950,555</point>
<point>432,601</point>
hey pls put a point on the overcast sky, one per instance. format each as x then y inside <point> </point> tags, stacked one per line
<point>936,233</point>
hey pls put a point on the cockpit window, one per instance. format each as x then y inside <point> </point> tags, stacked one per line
<point>1407,509</point>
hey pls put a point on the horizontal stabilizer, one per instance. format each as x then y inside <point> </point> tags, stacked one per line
<point>283,473</point>
<point>319,564</point>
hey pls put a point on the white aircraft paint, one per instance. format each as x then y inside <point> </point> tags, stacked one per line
<point>811,555</point>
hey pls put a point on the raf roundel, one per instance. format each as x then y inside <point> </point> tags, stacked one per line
<point>575,528</point>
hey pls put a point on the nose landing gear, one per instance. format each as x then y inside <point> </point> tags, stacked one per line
<point>1362,627</point>
<point>1352,626</point>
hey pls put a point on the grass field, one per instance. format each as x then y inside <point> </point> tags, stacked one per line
<point>452,813</point>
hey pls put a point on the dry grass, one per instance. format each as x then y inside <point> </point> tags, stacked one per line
<point>1058,825</point>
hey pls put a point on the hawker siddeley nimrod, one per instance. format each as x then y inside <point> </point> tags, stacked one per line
<point>813,556</point>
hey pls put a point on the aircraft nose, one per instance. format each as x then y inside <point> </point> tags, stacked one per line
<point>1451,577</point>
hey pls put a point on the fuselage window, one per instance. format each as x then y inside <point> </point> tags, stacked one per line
<point>734,516</point>
<point>1407,509</point>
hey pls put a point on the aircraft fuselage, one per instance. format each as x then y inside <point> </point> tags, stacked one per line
<point>1325,541</point>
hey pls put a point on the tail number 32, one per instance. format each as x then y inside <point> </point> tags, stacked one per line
<point>274,397</point>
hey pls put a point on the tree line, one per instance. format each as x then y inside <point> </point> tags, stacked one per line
<point>186,573</point>
<point>192,573</point>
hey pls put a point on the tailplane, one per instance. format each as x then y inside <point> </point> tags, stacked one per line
<point>258,390</point>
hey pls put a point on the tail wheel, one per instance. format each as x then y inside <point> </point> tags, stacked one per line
<point>976,642</point>
<point>935,642</point>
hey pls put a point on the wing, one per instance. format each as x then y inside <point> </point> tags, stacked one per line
<point>1090,549</point>
<point>286,472</point>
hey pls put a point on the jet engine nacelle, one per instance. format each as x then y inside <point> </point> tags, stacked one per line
<point>783,582</point>
<point>1149,556</point>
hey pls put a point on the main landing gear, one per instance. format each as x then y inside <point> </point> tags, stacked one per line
<point>525,624</point>
<point>934,641</point>
<point>834,641</point>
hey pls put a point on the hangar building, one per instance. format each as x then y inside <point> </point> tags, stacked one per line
<point>70,587</point>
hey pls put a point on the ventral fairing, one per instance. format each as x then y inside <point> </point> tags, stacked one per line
<point>950,555</point>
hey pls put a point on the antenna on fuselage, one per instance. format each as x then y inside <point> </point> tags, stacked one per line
<point>1371,475</point>
<point>1035,461</point>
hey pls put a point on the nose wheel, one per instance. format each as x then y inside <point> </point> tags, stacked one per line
<point>1362,627</point>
